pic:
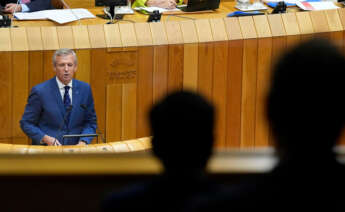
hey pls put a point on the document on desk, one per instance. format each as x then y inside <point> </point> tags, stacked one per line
<point>151,9</point>
<point>60,16</point>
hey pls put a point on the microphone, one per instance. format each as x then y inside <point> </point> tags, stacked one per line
<point>64,121</point>
<point>97,130</point>
<point>15,8</point>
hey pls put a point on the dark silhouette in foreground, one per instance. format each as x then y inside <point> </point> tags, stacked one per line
<point>182,127</point>
<point>305,109</point>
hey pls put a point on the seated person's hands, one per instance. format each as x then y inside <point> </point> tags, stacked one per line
<point>167,4</point>
<point>9,8</point>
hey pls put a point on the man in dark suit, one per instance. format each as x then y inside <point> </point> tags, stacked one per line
<point>60,106</point>
<point>10,6</point>
<point>182,128</point>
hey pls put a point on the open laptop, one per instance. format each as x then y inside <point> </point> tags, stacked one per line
<point>199,5</point>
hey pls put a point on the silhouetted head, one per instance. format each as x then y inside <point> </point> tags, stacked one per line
<point>305,104</point>
<point>182,127</point>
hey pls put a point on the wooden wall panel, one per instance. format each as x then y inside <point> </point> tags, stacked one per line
<point>113,112</point>
<point>65,37</point>
<point>174,33</point>
<point>20,80</point>
<point>190,67</point>
<point>175,72</point>
<point>36,69</point>
<point>218,29</point>
<point>84,65</point>
<point>320,24</point>
<point>98,76</point>
<point>49,38</point>
<point>234,82</point>
<point>159,36</point>
<point>292,28</point>
<point>97,37</point>
<point>262,134</point>
<point>220,69</point>
<point>205,64</point>
<point>6,92</point>
<point>143,32</point>
<point>129,107</point>
<point>305,25</point>
<point>160,71</point>
<point>335,26</point>
<point>112,35</point>
<point>48,70</point>
<point>144,89</point>
<point>19,39</point>
<point>34,37</point>
<point>5,39</point>
<point>189,32</point>
<point>128,36</point>
<point>249,78</point>
<point>81,37</point>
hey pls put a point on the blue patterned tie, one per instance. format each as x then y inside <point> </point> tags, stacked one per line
<point>67,103</point>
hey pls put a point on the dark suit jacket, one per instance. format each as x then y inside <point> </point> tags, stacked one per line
<point>34,5</point>
<point>44,113</point>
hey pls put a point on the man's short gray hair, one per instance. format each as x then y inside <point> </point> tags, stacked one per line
<point>63,52</point>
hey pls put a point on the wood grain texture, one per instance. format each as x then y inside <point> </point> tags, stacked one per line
<point>189,32</point>
<point>319,21</point>
<point>175,72</point>
<point>203,29</point>
<point>262,133</point>
<point>49,38</point>
<point>262,27</point>
<point>233,28</point>
<point>96,35</point>
<point>143,34</point>
<point>19,39</point>
<point>144,89</point>
<point>65,36</point>
<point>304,22</point>
<point>218,29</point>
<point>191,66</point>
<point>20,80</point>
<point>276,24</point>
<point>174,32</point>
<point>290,24</point>
<point>5,39</point>
<point>128,35</point>
<point>48,69</point>
<point>205,74</point>
<point>81,37</point>
<point>36,74</point>
<point>234,93</point>
<point>80,3</point>
<point>34,37</point>
<point>114,112</point>
<point>6,93</point>
<point>249,81</point>
<point>247,27</point>
<point>98,75</point>
<point>84,65</point>
<point>112,35</point>
<point>129,106</point>
<point>160,71</point>
<point>220,69</point>
<point>159,35</point>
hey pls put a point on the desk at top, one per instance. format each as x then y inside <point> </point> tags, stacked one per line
<point>131,65</point>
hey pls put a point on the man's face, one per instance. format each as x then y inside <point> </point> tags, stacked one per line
<point>65,68</point>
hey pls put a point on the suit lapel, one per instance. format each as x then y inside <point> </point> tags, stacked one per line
<point>57,94</point>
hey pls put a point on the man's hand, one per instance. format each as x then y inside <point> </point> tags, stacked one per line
<point>9,8</point>
<point>168,4</point>
<point>81,143</point>
<point>50,141</point>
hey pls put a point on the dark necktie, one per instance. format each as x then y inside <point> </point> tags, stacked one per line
<point>67,103</point>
